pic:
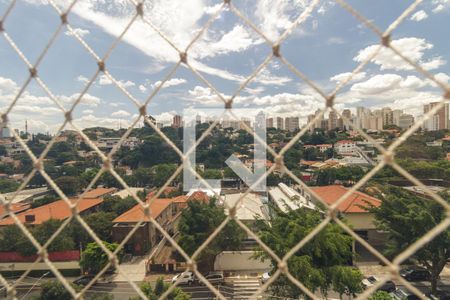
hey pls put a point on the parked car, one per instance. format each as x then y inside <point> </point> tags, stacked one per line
<point>402,294</point>
<point>83,280</point>
<point>415,273</point>
<point>439,295</point>
<point>185,278</point>
<point>265,277</point>
<point>215,277</point>
<point>388,286</point>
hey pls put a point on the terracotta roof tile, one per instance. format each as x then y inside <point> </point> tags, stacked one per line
<point>352,204</point>
<point>136,213</point>
<point>59,210</point>
<point>15,207</point>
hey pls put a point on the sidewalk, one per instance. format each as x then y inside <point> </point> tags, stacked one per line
<point>134,270</point>
<point>376,269</point>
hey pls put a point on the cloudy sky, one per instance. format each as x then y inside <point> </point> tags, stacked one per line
<point>328,45</point>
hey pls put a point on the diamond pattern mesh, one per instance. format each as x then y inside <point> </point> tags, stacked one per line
<point>141,107</point>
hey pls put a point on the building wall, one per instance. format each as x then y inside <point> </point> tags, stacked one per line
<point>240,261</point>
<point>139,243</point>
<point>361,221</point>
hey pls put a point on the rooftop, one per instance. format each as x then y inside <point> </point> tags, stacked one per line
<point>354,203</point>
<point>288,199</point>
<point>15,207</point>
<point>250,206</point>
<point>99,192</point>
<point>59,210</point>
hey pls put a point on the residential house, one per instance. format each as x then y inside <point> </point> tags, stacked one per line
<point>354,209</point>
<point>165,211</point>
<point>59,210</point>
<point>345,147</point>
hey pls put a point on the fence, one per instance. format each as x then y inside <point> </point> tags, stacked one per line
<point>329,100</point>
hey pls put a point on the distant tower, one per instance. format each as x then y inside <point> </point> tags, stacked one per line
<point>26,127</point>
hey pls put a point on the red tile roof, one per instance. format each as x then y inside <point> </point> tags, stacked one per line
<point>136,213</point>
<point>15,207</point>
<point>345,142</point>
<point>352,204</point>
<point>59,210</point>
<point>99,192</point>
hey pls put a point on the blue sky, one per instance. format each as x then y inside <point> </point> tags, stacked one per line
<point>328,45</point>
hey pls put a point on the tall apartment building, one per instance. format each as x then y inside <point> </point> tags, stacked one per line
<point>291,123</point>
<point>332,120</point>
<point>405,121</point>
<point>347,113</point>
<point>396,114</point>
<point>439,120</point>
<point>177,121</point>
<point>280,123</point>
<point>388,117</point>
<point>269,122</point>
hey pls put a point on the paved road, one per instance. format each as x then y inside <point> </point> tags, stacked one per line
<point>123,291</point>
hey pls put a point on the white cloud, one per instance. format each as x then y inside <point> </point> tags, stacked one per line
<point>412,47</point>
<point>419,16</point>
<point>142,88</point>
<point>79,31</point>
<point>92,121</point>
<point>343,76</point>
<point>104,80</point>
<point>87,99</point>
<point>82,79</point>
<point>170,82</point>
<point>267,78</point>
<point>378,84</point>
<point>438,8</point>
<point>87,111</point>
<point>440,5</point>
<point>7,86</point>
<point>121,113</point>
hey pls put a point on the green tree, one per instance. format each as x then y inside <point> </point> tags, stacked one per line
<point>94,259</point>
<point>197,223</point>
<point>381,295</point>
<point>346,280</point>
<point>315,264</point>
<point>70,185</point>
<point>53,289</point>
<point>407,217</point>
<point>160,288</point>
<point>8,185</point>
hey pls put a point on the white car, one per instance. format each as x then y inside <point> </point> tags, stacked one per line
<point>388,286</point>
<point>184,278</point>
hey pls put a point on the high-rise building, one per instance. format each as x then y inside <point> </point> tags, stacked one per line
<point>291,123</point>
<point>332,120</point>
<point>198,119</point>
<point>439,120</point>
<point>396,114</point>
<point>347,113</point>
<point>177,121</point>
<point>269,123</point>
<point>280,123</point>
<point>388,118</point>
<point>405,121</point>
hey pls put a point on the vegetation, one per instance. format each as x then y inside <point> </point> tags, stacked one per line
<point>320,264</point>
<point>53,289</point>
<point>160,288</point>
<point>407,217</point>
<point>197,222</point>
<point>94,259</point>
